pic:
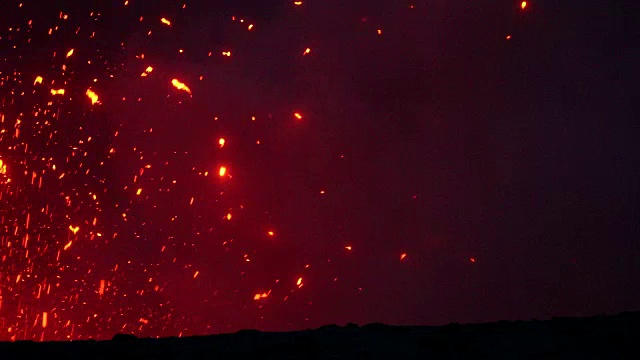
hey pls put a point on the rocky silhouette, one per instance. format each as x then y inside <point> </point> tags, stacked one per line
<point>601,336</point>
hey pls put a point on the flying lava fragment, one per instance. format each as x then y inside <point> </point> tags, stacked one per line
<point>147,71</point>
<point>180,85</point>
<point>93,96</point>
<point>260,296</point>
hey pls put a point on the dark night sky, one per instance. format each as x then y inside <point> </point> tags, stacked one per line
<point>506,170</point>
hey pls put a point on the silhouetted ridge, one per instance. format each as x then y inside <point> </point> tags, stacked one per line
<point>601,336</point>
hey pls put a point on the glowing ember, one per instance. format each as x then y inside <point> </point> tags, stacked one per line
<point>523,5</point>
<point>222,171</point>
<point>165,21</point>
<point>261,296</point>
<point>101,289</point>
<point>147,71</point>
<point>180,85</point>
<point>92,95</point>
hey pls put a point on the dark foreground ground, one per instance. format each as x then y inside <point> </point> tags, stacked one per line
<point>600,337</point>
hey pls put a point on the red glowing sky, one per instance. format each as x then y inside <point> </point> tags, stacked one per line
<point>188,168</point>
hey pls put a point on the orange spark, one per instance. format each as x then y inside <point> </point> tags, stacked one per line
<point>66,247</point>
<point>298,3</point>
<point>403,256</point>
<point>147,71</point>
<point>70,53</point>
<point>508,37</point>
<point>165,21</point>
<point>298,116</point>
<point>101,288</point>
<point>523,5</point>
<point>44,319</point>
<point>38,80</point>
<point>139,192</point>
<point>299,283</point>
<point>93,96</point>
<point>222,171</point>
<point>180,86</point>
<point>306,51</point>
<point>228,216</point>
<point>221,142</point>
<point>73,229</point>
<point>261,296</point>
<point>57,92</point>
<point>271,233</point>
<point>379,31</point>
<point>250,27</point>
<point>226,53</point>
<point>196,274</point>
<point>348,247</point>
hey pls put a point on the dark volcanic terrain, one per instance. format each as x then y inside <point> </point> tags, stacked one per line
<point>603,336</point>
